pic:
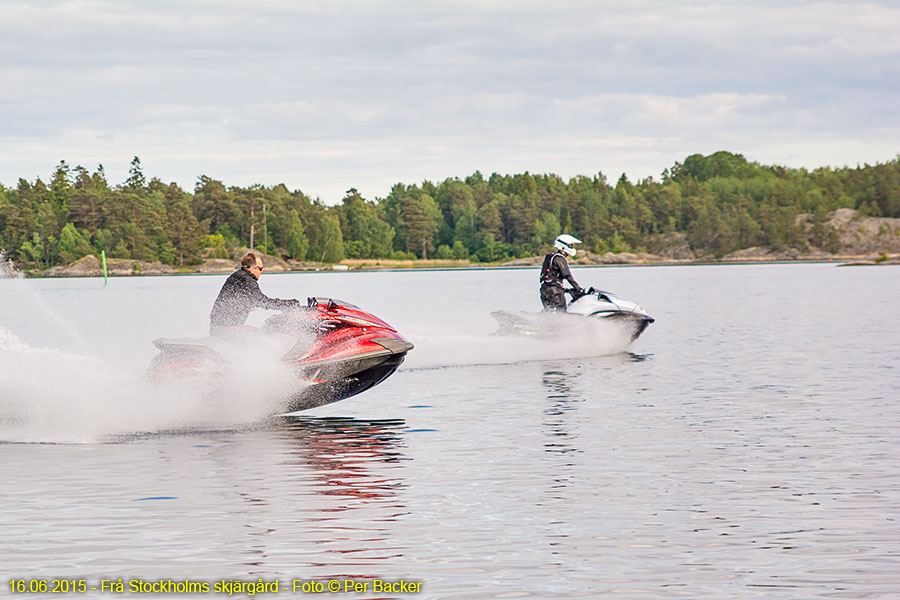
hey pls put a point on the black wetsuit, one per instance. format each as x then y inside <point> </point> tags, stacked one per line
<point>554,270</point>
<point>237,297</point>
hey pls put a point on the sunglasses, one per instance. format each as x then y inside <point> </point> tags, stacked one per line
<point>256,267</point>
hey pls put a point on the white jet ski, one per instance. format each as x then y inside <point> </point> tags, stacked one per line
<point>592,304</point>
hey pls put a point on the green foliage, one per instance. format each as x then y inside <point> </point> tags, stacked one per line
<point>545,230</point>
<point>719,203</point>
<point>216,244</point>
<point>231,239</point>
<point>459,251</point>
<point>32,251</point>
<point>296,243</point>
<point>330,248</point>
<point>443,252</point>
<point>167,253</point>
<point>716,165</point>
<point>120,250</point>
<point>364,228</point>
<point>72,245</point>
<point>136,179</point>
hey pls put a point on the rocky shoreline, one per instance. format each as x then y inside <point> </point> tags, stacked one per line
<point>747,256</point>
<point>89,266</point>
<point>858,240</point>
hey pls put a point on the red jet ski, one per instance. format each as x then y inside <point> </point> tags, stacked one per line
<point>335,349</point>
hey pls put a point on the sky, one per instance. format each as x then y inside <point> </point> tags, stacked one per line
<point>329,95</point>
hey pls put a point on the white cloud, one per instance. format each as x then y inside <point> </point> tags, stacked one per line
<point>324,96</point>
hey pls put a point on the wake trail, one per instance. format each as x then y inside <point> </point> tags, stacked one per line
<point>52,396</point>
<point>585,339</point>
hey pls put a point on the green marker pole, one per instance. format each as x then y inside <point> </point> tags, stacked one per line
<point>103,257</point>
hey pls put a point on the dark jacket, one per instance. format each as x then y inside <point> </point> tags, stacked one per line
<point>556,269</point>
<point>237,298</point>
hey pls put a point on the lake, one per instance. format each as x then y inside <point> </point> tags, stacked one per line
<point>744,447</point>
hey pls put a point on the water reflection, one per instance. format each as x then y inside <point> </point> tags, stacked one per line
<point>348,474</point>
<point>343,451</point>
<point>321,495</point>
<point>560,385</point>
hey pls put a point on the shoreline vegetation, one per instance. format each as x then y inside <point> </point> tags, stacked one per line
<point>89,266</point>
<point>718,208</point>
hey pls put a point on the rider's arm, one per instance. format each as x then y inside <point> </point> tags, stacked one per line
<point>260,300</point>
<point>564,271</point>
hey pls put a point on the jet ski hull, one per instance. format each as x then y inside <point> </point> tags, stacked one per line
<point>594,304</point>
<point>368,373</point>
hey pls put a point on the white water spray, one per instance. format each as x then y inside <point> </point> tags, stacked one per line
<point>572,338</point>
<point>48,395</point>
<point>8,268</point>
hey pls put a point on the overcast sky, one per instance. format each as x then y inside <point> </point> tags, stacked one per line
<point>332,94</point>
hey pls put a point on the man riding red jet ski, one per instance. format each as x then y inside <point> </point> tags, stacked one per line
<point>334,348</point>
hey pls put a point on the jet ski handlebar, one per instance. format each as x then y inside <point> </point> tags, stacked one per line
<point>579,292</point>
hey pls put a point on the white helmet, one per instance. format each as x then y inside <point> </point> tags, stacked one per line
<point>564,244</point>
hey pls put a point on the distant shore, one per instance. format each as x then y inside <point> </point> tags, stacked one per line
<point>855,240</point>
<point>90,266</point>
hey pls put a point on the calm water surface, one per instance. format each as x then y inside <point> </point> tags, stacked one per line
<point>745,447</point>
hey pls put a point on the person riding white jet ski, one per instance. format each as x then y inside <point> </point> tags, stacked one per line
<point>556,269</point>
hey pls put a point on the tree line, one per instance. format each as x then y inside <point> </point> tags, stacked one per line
<point>719,203</point>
